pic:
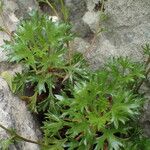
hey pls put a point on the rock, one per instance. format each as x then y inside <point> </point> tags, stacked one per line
<point>14,112</point>
<point>92,19</point>
<point>80,45</point>
<point>77,9</point>
<point>127,28</point>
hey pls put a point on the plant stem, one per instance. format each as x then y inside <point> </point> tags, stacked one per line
<point>52,7</point>
<point>102,6</point>
<point>17,136</point>
<point>6,29</point>
<point>96,34</point>
<point>147,62</point>
<point>146,74</point>
<point>64,11</point>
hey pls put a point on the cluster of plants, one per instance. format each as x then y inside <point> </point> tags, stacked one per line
<point>102,112</point>
<point>41,46</point>
<point>81,109</point>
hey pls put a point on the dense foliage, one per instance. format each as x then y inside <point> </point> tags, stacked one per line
<point>40,45</point>
<point>82,109</point>
<point>100,111</point>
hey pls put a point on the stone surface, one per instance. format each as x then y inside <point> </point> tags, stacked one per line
<point>77,9</point>
<point>14,114</point>
<point>127,28</point>
<point>80,45</point>
<point>13,111</point>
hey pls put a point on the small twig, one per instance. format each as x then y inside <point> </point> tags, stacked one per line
<point>79,136</point>
<point>1,126</point>
<point>72,120</point>
<point>51,6</point>
<point>102,6</point>
<point>17,136</point>
<point>69,53</point>
<point>6,29</point>
<point>146,74</point>
<point>63,9</point>
<point>147,62</point>
<point>60,75</point>
<point>91,45</point>
<point>96,34</point>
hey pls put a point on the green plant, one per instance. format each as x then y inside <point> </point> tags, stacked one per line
<point>41,46</point>
<point>98,115</point>
<point>101,112</point>
<point>84,110</point>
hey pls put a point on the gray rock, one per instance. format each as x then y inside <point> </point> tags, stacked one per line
<point>13,111</point>
<point>77,9</point>
<point>14,114</point>
<point>127,28</point>
<point>92,19</point>
<point>80,45</point>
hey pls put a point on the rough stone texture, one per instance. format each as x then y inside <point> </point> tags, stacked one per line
<point>13,111</point>
<point>14,114</point>
<point>80,45</point>
<point>127,28</point>
<point>77,9</point>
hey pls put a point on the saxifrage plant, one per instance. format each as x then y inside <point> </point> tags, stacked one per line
<point>49,66</point>
<point>98,115</point>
